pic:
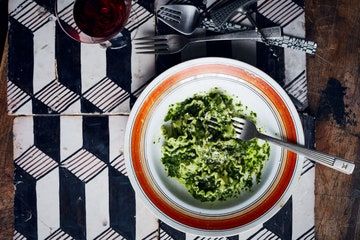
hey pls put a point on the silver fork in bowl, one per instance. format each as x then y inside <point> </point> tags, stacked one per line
<point>173,43</point>
<point>246,130</point>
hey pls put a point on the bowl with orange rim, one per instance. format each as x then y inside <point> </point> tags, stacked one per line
<point>165,196</point>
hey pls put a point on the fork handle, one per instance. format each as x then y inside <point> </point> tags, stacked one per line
<point>271,33</point>
<point>333,162</point>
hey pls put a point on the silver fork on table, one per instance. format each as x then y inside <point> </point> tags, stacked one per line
<point>246,130</point>
<point>173,43</point>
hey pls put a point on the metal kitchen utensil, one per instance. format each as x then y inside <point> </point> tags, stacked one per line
<point>172,43</point>
<point>222,14</point>
<point>175,11</point>
<point>184,18</point>
<point>295,43</point>
<point>187,18</point>
<point>246,130</point>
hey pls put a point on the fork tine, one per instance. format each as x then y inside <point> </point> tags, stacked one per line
<point>238,124</point>
<point>147,52</point>
<point>170,10</point>
<point>159,47</point>
<point>239,120</point>
<point>176,15</point>
<point>169,14</point>
<point>238,127</point>
<point>168,17</point>
<point>151,42</point>
<point>166,11</point>
<point>159,37</point>
<point>153,52</point>
<point>213,121</point>
<point>237,130</point>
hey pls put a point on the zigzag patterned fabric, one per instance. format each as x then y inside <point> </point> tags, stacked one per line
<point>70,177</point>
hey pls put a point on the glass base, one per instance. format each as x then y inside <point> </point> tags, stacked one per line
<point>117,42</point>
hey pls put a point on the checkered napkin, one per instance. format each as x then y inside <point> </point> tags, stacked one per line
<point>70,177</point>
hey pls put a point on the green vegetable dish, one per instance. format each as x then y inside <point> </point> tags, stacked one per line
<point>210,161</point>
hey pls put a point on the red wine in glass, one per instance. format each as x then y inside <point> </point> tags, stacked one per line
<point>100,18</point>
<point>94,21</point>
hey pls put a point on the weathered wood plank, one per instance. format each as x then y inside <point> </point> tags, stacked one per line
<point>335,26</point>
<point>6,163</point>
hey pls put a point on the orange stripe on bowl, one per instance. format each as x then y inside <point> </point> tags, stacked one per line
<point>179,215</point>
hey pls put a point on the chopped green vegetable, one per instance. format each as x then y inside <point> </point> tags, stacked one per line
<point>210,161</point>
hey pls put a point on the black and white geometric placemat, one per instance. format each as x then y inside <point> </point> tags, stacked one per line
<point>71,183</point>
<point>49,73</point>
<point>70,177</point>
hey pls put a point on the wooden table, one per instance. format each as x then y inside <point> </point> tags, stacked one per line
<point>6,163</point>
<point>334,82</point>
<point>335,26</point>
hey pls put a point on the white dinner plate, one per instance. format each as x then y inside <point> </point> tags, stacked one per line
<point>168,199</point>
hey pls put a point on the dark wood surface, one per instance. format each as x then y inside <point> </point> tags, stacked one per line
<point>334,95</point>
<point>335,26</point>
<point>6,163</point>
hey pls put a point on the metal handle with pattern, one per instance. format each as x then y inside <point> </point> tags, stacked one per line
<point>208,24</point>
<point>271,33</point>
<point>295,43</point>
<point>299,44</point>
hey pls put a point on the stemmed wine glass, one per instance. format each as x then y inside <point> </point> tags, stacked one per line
<point>94,21</point>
